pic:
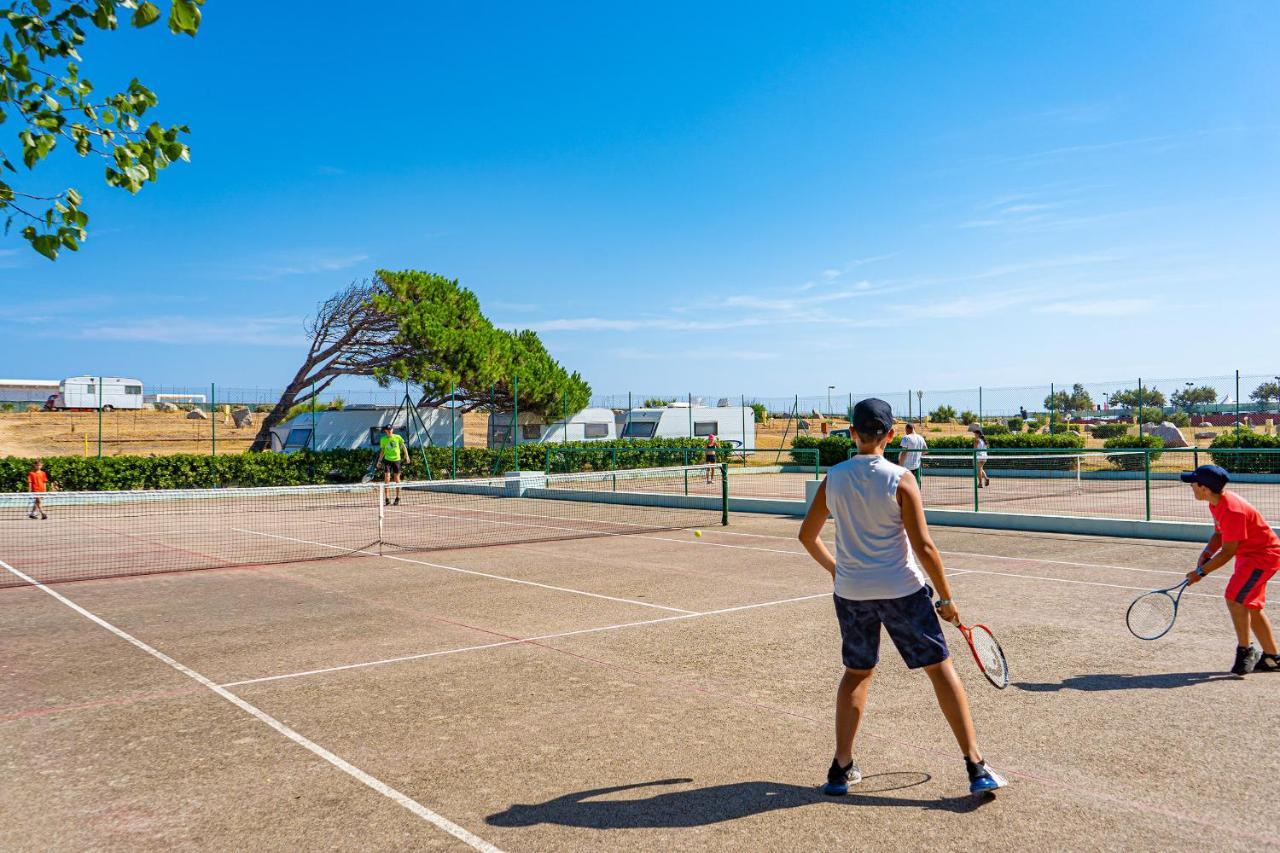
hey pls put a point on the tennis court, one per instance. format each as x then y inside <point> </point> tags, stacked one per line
<point>651,689</point>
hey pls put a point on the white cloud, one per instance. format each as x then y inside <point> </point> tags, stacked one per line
<point>301,264</point>
<point>831,275</point>
<point>231,331</point>
<point>1098,307</point>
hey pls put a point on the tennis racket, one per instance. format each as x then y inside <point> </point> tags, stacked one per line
<point>371,471</point>
<point>1152,614</point>
<point>987,653</point>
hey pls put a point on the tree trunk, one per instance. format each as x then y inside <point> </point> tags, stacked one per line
<point>301,382</point>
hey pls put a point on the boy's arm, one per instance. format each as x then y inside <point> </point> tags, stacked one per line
<point>811,530</point>
<point>1224,556</point>
<point>922,543</point>
<point>1215,542</point>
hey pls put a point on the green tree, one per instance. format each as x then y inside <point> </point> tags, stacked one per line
<point>1129,398</point>
<point>1075,400</point>
<point>943,413</point>
<point>1189,398</point>
<point>445,342</point>
<point>1264,392</point>
<point>43,90</point>
<point>1058,401</point>
<point>656,403</point>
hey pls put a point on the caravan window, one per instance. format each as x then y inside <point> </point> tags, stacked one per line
<point>91,389</point>
<point>705,428</point>
<point>639,429</point>
<point>595,430</point>
<point>133,389</point>
<point>298,438</point>
<point>531,432</point>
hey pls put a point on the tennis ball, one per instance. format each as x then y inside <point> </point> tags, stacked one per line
<point>698,533</point>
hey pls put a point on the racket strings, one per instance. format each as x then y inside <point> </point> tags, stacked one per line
<point>989,654</point>
<point>1151,615</point>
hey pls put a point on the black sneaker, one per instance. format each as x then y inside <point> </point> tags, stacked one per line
<point>982,779</point>
<point>396,502</point>
<point>1268,663</point>
<point>1246,660</point>
<point>840,778</point>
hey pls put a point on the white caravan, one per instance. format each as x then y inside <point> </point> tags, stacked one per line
<point>728,423</point>
<point>594,424</point>
<point>359,428</point>
<point>90,392</point>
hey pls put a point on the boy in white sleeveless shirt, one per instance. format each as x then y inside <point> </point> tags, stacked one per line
<point>880,530</point>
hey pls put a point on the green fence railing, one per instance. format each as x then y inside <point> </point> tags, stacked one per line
<point>615,458</point>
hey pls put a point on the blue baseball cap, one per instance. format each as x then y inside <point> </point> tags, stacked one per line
<point>872,417</point>
<point>1210,476</point>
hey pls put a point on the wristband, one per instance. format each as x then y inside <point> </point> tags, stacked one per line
<point>943,602</point>
<point>1200,571</point>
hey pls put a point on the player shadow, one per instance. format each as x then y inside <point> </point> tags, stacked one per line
<point>715,803</point>
<point>1116,681</point>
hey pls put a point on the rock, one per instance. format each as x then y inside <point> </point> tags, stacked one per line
<point>1172,436</point>
<point>1209,435</point>
<point>166,407</point>
<point>243,418</point>
<point>197,415</point>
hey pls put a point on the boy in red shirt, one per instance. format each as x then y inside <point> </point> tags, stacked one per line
<point>1241,532</point>
<point>37,484</point>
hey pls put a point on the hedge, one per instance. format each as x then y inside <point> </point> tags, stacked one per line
<point>833,450</point>
<point>1134,461</point>
<point>1247,463</point>
<point>189,471</point>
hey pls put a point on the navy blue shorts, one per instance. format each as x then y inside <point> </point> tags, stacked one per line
<point>911,622</point>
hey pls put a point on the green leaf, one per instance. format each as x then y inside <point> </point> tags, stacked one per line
<point>146,15</point>
<point>184,17</point>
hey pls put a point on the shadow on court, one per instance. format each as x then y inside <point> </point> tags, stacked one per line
<point>1113,681</point>
<point>714,804</point>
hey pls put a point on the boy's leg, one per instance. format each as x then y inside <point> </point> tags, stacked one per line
<point>1261,627</point>
<point>851,702</point>
<point>955,706</point>
<point>1239,621</point>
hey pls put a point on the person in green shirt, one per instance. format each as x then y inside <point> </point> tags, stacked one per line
<point>392,454</point>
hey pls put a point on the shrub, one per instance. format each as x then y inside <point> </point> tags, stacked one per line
<point>32,407</point>
<point>1179,419</point>
<point>1059,428</point>
<point>1267,461</point>
<point>762,412</point>
<point>832,450</point>
<point>263,407</point>
<point>967,417</point>
<point>1134,461</point>
<point>1110,430</point>
<point>943,413</point>
<point>1151,415</point>
<point>6,407</point>
<point>996,429</point>
<point>657,403</point>
<point>1032,425</point>
<point>1015,424</point>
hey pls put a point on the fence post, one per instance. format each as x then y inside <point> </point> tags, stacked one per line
<point>313,431</point>
<point>1051,401</point>
<point>100,416</point>
<point>453,431</point>
<point>975,479</point>
<point>743,400</point>
<point>515,418</point>
<point>564,427</point>
<point>213,418</point>
<point>690,393</point>
<point>1146,478</point>
<point>1237,405</point>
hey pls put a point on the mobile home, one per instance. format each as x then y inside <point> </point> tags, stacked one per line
<point>727,423</point>
<point>90,392</point>
<point>359,428</point>
<point>594,424</point>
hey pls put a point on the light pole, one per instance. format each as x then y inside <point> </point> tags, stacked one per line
<point>830,388</point>
<point>920,406</point>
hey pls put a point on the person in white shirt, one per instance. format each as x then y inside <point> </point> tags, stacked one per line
<point>980,458</point>
<point>915,443</point>
<point>880,531</point>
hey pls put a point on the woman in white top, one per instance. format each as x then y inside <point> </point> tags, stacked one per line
<point>980,458</point>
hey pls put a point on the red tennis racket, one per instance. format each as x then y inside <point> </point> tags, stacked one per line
<point>987,653</point>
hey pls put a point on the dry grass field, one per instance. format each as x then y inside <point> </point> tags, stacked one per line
<point>148,433</point>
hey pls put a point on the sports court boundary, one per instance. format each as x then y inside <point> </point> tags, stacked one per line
<point>421,811</point>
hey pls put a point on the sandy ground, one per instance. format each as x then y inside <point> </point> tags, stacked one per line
<point>629,693</point>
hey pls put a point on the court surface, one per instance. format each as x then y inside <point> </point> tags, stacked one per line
<point>627,692</point>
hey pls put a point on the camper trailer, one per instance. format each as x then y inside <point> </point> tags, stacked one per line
<point>360,428</point>
<point>725,422</point>
<point>91,392</point>
<point>595,424</point>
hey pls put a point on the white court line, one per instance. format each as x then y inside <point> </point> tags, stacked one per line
<point>521,640</point>
<point>1083,583</point>
<point>351,770</point>
<point>466,571</point>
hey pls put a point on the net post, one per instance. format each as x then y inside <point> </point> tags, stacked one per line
<point>381,493</point>
<point>724,494</point>
<point>1146,478</point>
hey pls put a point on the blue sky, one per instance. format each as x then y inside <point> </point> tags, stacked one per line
<point>725,198</point>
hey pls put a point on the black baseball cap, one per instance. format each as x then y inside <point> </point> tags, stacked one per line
<point>1211,476</point>
<point>872,417</point>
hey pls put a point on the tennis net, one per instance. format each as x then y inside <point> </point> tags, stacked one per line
<point>104,534</point>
